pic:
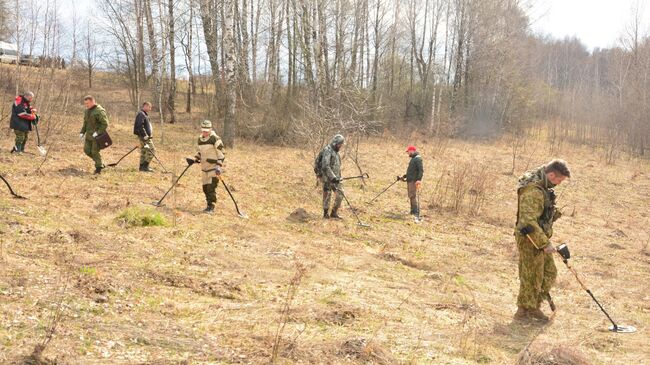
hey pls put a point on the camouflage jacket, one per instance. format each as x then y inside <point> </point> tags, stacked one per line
<point>536,206</point>
<point>95,120</point>
<point>331,162</point>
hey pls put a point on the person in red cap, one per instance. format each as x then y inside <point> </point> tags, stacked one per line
<point>413,178</point>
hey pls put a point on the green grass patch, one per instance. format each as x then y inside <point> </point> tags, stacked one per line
<point>90,271</point>
<point>141,217</point>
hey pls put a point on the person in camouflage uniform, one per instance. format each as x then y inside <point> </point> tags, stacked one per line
<point>330,165</point>
<point>211,156</point>
<point>413,178</point>
<point>95,124</point>
<point>537,209</point>
<point>142,128</point>
<point>23,116</point>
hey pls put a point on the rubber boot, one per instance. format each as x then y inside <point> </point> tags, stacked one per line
<point>335,214</point>
<point>209,209</point>
<point>98,170</point>
<point>326,214</point>
<point>144,167</point>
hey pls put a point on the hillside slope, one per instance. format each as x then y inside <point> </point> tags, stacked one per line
<point>211,289</point>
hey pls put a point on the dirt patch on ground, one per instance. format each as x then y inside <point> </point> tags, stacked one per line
<point>300,215</point>
<point>551,355</point>
<point>219,288</point>
<point>339,315</point>
<point>366,351</point>
<point>406,262</point>
<point>72,171</point>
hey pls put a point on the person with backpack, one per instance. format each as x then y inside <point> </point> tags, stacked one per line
<point>536,208</point>
<point>328,168</point>
<point>413,178</point>
<point>23,116</point>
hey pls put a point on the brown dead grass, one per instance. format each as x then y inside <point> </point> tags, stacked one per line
<point>210,289</point>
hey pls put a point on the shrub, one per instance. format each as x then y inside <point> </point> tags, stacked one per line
<point>141,217</point>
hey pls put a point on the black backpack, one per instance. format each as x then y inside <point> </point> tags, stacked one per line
<point>318,164</point>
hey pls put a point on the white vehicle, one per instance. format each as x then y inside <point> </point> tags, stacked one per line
<point>8,53</point>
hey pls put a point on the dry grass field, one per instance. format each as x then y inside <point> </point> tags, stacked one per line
<point>81,284</point>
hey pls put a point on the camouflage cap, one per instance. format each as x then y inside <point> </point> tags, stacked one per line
<point>206,125</point>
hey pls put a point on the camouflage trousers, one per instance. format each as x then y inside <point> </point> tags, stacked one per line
<point>147,151</point>
<point>330,189</point>
<point>21,137</point>
<point>413,198</point>
<point>91,149</point>
<point>537,274</point>
<point>210,190</point>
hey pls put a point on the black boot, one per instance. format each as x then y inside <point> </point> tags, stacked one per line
<point>98,170</point>
<point>209,209</point>
<point>326,214</point>
<point>144,167</point>
<point>335,214</point>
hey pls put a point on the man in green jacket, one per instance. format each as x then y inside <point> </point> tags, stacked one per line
<point>413,179</point>
<point>537,209</point>
<point>95,124</point>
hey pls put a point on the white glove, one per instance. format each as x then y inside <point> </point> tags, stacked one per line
<point>81,136</point>
<point>146,146</point>
<point>146,138</point>
<point>95,134</point>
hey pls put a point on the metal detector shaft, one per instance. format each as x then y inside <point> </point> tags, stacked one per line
<point>566,262</point>
<point>159,162</point>
<point>122,158</point>
<point>383,191</point>
<point>352,209</point>
<point>174,184</point>
<point>231,196</point>
<point>10,189</point>
<point>364,176</point>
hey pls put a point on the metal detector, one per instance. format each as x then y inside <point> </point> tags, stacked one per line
<point>385,190</point>
<point>241,215</point>
<point>190,162</point>
<point>122,158</point>
<point>159,162</point>
<point>563,251</point>
<point>362,176</point>
<point>360,223</point>
<point>13,193</point>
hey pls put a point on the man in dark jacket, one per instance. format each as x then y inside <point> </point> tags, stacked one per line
<point>413,180</point>
<point>22,118</point>
<point>142,129</point>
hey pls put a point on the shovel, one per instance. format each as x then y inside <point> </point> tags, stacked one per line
<point>41,149</point>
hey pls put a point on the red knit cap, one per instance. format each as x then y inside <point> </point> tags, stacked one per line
<point>411,149</point>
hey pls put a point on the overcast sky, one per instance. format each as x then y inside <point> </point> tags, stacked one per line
<point>598,23</point>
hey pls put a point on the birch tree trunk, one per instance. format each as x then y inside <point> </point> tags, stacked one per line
<point>230,72</point>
